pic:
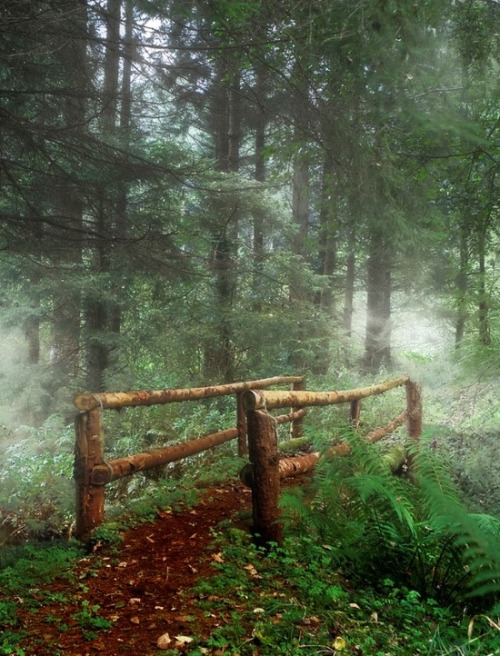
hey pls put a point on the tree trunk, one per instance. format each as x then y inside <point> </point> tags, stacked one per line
<point>327,243</point>
<point>462,285</point>
<point>483,303</point>
<point>350,275</point>
<point>98,306</point>
<point>69,205</point>
<point>378,322</point>
<point>219,351</point>
<point>260,176</point>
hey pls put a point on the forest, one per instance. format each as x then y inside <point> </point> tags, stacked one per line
<point>200,192</point>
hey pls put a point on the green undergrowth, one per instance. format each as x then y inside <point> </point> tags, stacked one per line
<point>293,600</point>
<point>27,570</point>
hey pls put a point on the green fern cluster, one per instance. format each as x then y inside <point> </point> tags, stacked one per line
<point>413,529</point>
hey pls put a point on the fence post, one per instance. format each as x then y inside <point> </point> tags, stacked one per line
<point>241,425</point>
<point>263,448</point>
<point>297,424</point>
<point>414,408</point>
<point>88,453</point>
<point>355,413</point>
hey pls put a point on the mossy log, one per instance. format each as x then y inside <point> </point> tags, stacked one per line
<point>395,458</point>
<point>289,446</point>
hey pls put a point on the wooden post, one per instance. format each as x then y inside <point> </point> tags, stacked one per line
<point>88,453</point>
<point>355,412</point>
<point>241,425</point>
<point>414,408</point>
<point>296,427</point>
<point>263,448</point>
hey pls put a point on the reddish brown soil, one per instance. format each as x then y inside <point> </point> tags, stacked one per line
<point>145,588</point>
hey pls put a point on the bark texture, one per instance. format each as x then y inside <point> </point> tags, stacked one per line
<point>121,467</point>
<point>88,454</point>
<point>279,399</point>
<point>263,448</point>
<point>152,397</point>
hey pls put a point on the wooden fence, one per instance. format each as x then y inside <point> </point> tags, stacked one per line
<point>255,431</point>
<point>92,472</point>
<point>267,469</point>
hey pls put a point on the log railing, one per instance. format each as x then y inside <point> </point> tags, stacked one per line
<point>93,472</point>
<point>255,430</point>
<point>266,469</point>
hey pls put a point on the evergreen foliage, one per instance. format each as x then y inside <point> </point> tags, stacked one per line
<point>414,530</point>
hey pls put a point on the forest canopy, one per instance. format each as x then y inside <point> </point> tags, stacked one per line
<point>203,191</point>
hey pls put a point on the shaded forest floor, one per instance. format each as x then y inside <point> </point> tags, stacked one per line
<point>142,589</point>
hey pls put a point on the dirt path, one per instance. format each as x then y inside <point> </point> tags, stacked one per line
<point>145,589</point>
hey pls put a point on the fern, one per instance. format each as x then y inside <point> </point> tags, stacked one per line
<point>417,532</point>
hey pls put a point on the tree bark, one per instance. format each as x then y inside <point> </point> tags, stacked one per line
<point>98,306</point>
<point>226,119</point>
<point>263,450</point>
<point>271,399</point>
<point>88,454</point>
<point>462,284</point>
<point>120,467</point>
<point>118,400</point>
<point>69,200</point>
<point>483,303</point>
<point>378,321</point>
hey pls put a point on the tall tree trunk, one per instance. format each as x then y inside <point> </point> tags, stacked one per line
<point>120,218</point>
<point>483,304</point>
<point>462,285</point>
<point>350,277</point>
<point>378,322</point>
<point>327,243</point>
<point>260,176</point>
<point>219,361</point>
<point>69,205</point>
<point>298,293</point>
<point>98,307</point>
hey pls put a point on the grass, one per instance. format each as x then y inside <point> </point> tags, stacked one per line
<point>291,601</point>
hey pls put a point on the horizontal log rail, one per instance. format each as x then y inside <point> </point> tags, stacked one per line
<point>270,399</point>
<point>92,472</point>
<point>116,400</point>
<point>121,467</point>
<point>302,464</point>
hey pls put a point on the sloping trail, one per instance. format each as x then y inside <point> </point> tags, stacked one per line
<point>145,589</point>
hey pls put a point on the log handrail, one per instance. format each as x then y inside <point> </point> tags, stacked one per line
<point>116,400</point>
<point>254,400</point>
<point>268,467</point>
<point>92,472</point>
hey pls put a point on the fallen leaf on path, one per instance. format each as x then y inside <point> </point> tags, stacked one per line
<point>163,641</point>
<point>339,644</point>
